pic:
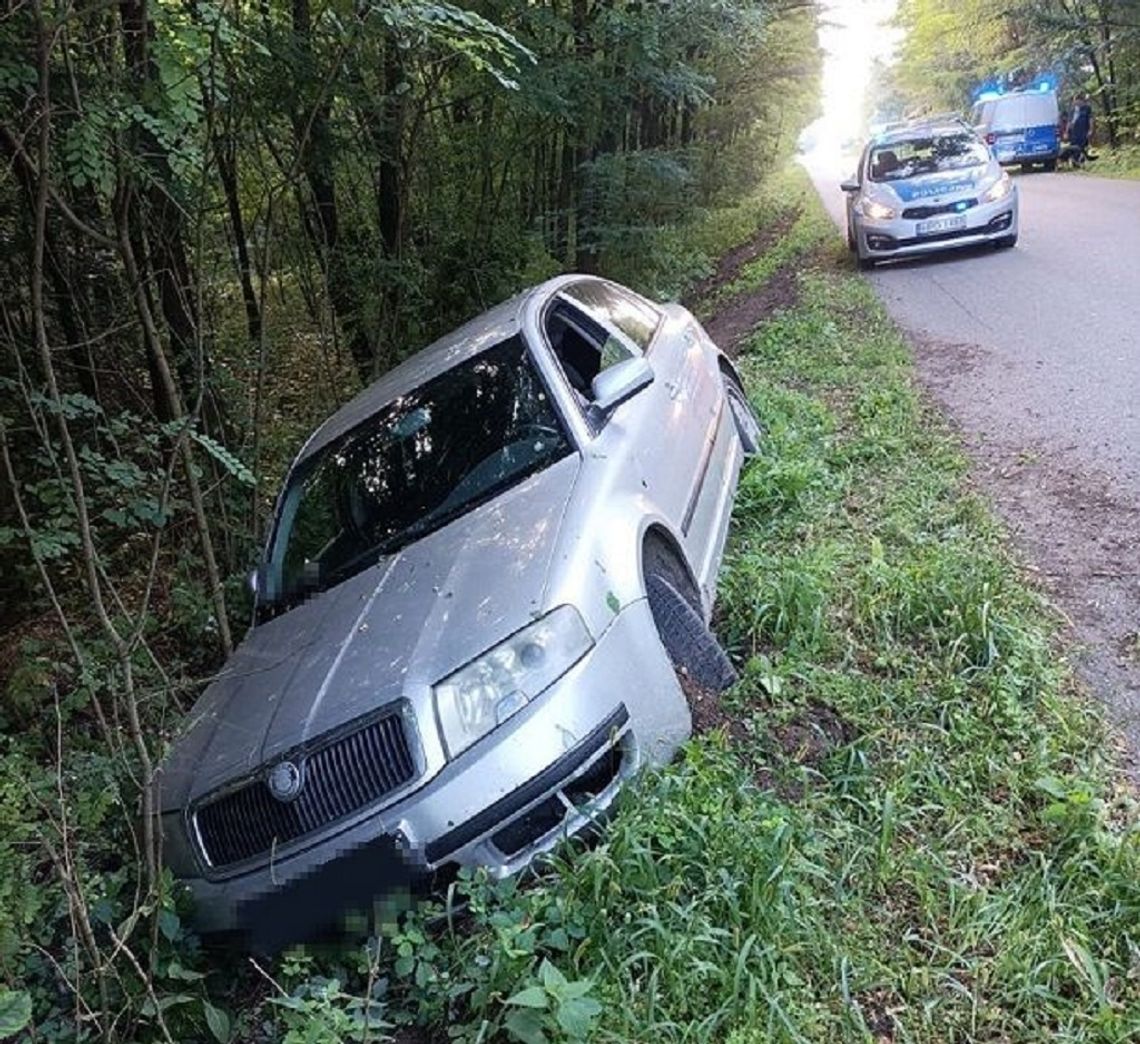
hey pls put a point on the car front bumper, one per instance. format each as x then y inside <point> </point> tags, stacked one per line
<point>545,774</point>
<point>900,237</point>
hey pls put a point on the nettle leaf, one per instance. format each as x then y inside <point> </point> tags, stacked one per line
<point>526,1025</point>
<point>552,978</point>
<point>15,1012</point>
<point>530,997</point>
<point>576,1016</point>
<point>224,457</point>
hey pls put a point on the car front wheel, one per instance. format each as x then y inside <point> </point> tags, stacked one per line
<point>692,648</point>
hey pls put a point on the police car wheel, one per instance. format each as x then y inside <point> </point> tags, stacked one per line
<point>866,263</point>
<point>1006,242</point>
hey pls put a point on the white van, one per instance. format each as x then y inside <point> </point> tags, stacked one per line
<point>1021,127</point>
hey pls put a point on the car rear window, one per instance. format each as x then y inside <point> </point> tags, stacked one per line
<point>421,461</point>
<point>898,160</point>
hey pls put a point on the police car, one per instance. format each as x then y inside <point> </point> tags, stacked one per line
<point>927,186</point>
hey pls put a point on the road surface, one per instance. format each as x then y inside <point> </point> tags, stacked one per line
<point>1034,355</point>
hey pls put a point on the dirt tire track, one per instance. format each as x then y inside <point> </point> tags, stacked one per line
<point>738,315</point>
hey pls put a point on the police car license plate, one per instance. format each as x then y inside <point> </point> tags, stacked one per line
<point>936,225</point>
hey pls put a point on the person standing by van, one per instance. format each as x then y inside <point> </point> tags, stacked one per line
<point>1081,126</point>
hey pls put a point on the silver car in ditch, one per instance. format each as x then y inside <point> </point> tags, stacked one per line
<point>485,577</point>
<point>926,187</point>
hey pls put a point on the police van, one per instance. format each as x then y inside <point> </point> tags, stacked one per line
<point>1021,127</point>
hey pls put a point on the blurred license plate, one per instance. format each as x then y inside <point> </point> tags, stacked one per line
<point>946,224</point>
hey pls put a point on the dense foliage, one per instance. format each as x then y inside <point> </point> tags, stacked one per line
<point>951,51</point>
<point>216,220</point>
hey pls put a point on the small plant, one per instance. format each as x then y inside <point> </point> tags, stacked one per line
<point>553,1008</point>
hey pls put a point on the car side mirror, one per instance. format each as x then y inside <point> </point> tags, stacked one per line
<point>850,185</point>
<point>619,382</point>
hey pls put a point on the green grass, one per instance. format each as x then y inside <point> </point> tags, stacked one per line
<point>915,832</point>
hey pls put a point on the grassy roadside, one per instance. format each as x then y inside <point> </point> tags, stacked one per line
<point>910,832</point>
<point>1121,162</point>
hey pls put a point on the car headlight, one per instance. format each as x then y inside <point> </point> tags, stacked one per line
<point>492,687</point>
<point>877,211</point>
<point>999,189</point>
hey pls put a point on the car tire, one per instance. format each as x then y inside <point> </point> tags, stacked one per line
<point>866,264</point>
<point>1006,242</point>
<point>1050,165</point>
<point>748,426</point>
<point>692,648</point>
<point>851,244</point>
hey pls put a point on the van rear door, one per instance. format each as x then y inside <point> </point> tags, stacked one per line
<point>1041,119</point>
<point>1008,127</point>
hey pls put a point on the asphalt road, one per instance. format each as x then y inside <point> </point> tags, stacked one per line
<point>1034,355</point>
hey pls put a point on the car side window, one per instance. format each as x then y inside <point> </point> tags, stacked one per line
<point>632,315</point>
<point>583,346</point>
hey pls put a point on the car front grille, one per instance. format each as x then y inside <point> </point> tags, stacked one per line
<point>957,207</point>
<point>339,778</point>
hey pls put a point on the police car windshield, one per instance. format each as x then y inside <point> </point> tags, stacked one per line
<point>937,153</point>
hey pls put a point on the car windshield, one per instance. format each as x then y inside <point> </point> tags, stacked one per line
<point>422,460</point>
<point>897,160</point>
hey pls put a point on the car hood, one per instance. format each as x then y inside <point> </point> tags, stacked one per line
<point>943,186</point>
<point>386,634</point>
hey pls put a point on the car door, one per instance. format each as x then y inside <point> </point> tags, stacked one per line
<point>670,427</point>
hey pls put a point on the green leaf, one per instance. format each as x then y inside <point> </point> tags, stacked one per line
<point>15,1011</point>
<point>579,988</point>
<point>217,1020</point>
<point>576,1016</point>
<point>526,1026</point>
<point>404,965</point>
<point>175,971</point>
<point>169,924</point>
<point>171,1000</point>
<point>224,457</point>
<point>552,978</point>
<point>557,939</point>
<point>531,997</point>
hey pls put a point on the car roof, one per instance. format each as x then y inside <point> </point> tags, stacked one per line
<point>489,328</point>
<point>926,128</point>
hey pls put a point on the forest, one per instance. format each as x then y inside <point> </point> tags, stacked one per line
<point>218,219</point>
<point>951,51</point>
